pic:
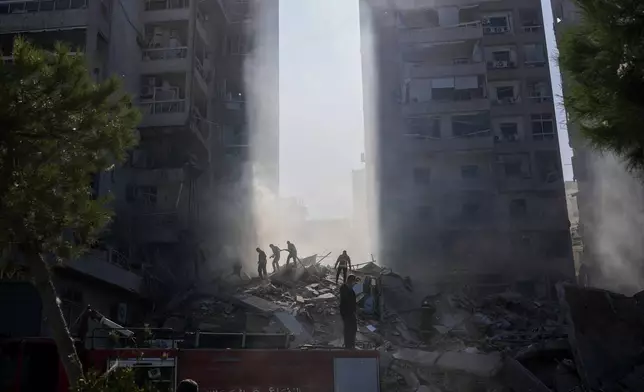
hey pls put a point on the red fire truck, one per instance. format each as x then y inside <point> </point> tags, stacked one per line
<point>218,362</point>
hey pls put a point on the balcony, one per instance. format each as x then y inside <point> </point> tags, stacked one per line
<point>164,60</point>
<point>482,140</point>
<point>474,103</point>
<point>107,266</point>
<point>165,10</point>
<point>460,32</point>
<point>41,14</point>
<point>166,48</point>
<point>459,67</point>
<point>163,100</point>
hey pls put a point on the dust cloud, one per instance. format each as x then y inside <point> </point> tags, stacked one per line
<point>612,233</point>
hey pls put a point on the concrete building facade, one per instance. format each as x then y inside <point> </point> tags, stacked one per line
<point>462,146</point>
<point>183,61</point>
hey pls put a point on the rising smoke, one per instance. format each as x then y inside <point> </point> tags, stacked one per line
<point>612,217</point>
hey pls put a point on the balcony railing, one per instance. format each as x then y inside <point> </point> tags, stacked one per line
<point>532,29</point>
<point>202,71</point>
<point>20,7</point>
<point>540,99</point>
<point>158,5</point>
<point>153,54</point>
<point>164,107</point>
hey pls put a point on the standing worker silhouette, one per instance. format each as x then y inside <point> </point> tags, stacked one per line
<point>276,257</point>
<point>343,264</point>
<point>348,312</point>
<point>261,264</point>
<point>292,252</point>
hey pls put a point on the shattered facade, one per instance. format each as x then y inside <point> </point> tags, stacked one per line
<point>462,147</point>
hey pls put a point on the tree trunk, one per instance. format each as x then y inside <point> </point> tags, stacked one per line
<point>40,272</point>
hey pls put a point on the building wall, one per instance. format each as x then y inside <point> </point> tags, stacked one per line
<point>461,141</point>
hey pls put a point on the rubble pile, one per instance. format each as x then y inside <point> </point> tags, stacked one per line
<point>586,340</point>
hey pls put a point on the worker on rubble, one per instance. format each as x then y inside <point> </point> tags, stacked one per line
<point>292,252</point>
<point>348,311</point>
<point>261,264</point>
<point>276,257</point>
<point>343,264</point>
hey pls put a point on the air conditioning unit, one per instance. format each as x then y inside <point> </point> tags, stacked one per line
<point>500,64</point>
<point>496,29</point>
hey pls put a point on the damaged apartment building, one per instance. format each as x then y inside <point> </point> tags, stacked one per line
<point>182,60</point>
<point>462,144</point>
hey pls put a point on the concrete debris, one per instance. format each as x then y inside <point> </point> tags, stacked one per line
<point>442,342</point>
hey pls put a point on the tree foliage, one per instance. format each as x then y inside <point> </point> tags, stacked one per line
<point>602,59</point>
<point>57,128</point>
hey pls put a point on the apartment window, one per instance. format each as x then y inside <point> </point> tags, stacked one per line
<point>509,132</point>
<point>443,89</point>
<point>539,91</point>
<point>518,208</point>
<point>422,176</point>
<point>501,55</point>
<point>496,24</point>
<point>469,172</point>
<point>471,125</point>
<point>535,55</point>
<point>239,44</point>
<point>515,166</point>
<point>531,19</point>
<point>425,127</point>
<point>505,94</point>
<point>543,126</point>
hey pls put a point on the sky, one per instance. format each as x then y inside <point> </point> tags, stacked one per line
<point>321,120</point>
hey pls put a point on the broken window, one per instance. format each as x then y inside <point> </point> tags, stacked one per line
<point>509,132</point>
<point>539,91</point>
<point>505,95</point>
<point>422,175</point>
<point>471,125</point>
<point>496,24</point>
<point>515,166</point>
<point>543,126</point>
<point>518,208</point>
<point>530,17</point>
<point>428,127</point>
<point>535,55</point>
<point>548,166</point>
<point>469,172</point>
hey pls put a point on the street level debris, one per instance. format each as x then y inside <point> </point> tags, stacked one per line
<point>579,340</point>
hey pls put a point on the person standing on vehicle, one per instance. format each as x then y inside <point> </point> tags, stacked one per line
<point>292,252</point>
<point>276,257</point>
<point>343,264</point>
<point>261,264</point>
<point>348,311</point>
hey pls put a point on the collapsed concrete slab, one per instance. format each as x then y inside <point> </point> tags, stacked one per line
<point>255,303</point>
<point>482,365</point>
<point>288,321</point>
<point>606,336</point>
<point>418,357</point>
